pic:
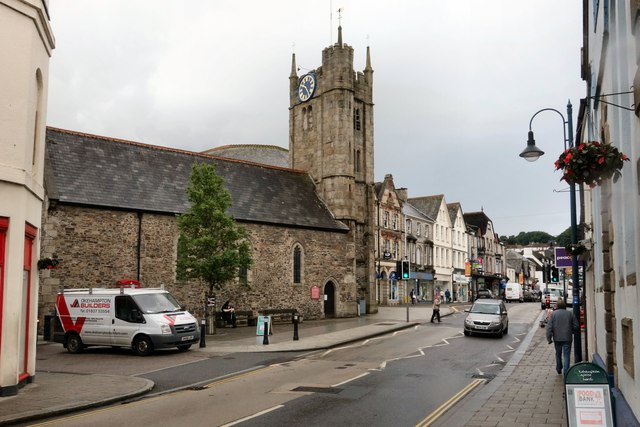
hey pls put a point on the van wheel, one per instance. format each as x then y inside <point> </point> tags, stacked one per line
<point>142,345</point>
<point>74,343</point>
<point>184,347</point>
<point>506,330</point>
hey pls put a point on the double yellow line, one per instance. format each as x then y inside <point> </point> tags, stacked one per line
<point>449,403</point>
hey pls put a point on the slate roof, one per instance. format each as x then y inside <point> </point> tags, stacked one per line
<point>453,209</point>
<point>477,219</point>
<point>96,171</point>
<point>409,210</point>
<point>429,205</point>
<point>264,154</point>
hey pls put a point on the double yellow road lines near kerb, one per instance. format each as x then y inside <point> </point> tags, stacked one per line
<point>449,403</point>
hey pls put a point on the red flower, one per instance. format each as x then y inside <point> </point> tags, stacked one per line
<point>600,160</point>
<point>624,156</point>
<point>567,157</point>
<point>581,147</point>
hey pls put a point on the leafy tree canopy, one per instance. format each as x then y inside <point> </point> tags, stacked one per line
<point>528,238</point>
<point>212,245</point>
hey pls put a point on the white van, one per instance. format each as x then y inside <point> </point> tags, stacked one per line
<point>142,319</point>
<point>514,292</point>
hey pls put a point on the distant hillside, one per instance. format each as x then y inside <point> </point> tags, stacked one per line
<point>535,237</point>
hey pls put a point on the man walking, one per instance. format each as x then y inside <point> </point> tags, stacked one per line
<point>560,328</point>
<point>436,309</point>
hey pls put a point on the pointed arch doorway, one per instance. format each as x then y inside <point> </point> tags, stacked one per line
<point>329,300</point>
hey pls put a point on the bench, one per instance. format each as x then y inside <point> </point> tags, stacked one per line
<point>243,318</point>
<point>281,315</point>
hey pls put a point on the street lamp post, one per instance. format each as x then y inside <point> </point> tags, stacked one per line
<point>532,153</point>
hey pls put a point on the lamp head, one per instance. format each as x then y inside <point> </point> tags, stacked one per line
<point>531,153</point>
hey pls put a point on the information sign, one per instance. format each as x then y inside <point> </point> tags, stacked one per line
<point>588,396</point>
<point>315,292</point>
<point>260,326</point>
<point>211,301</point>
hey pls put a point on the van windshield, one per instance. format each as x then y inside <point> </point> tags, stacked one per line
<point>156,303</point>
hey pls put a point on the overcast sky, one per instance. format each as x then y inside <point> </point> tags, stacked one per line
<point>455,85</point>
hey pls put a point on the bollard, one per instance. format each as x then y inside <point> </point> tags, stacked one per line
<point>203,331</point>
<point>295,326</point>
<point>265,336</point>
<point>407,313</point>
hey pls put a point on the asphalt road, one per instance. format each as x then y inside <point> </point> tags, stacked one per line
<point>399,379</point>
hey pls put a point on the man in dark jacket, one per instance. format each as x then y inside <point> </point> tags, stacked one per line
<point>560,328</point>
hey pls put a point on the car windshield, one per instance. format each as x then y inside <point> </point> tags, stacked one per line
<point>156,303</point>
<point>485,308</point>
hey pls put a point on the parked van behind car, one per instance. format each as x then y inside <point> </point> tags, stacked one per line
<point>141,319</point>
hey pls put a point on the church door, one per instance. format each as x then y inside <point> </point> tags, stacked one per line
<point>329,299</point>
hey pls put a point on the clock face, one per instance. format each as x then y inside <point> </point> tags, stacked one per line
<point>306,87</point>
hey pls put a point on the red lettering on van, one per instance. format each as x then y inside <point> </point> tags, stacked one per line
<point>65,317</point>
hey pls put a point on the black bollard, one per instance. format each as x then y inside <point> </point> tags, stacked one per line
<point>203,332</point>
<point>295,326</point>
<point>265,336</point>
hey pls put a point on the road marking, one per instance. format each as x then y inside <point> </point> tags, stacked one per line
<point>349,380</point>
<point>234,377</point>
<point>449,403</point>
<point>257,414</point>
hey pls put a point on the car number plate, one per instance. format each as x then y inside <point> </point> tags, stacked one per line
<point>187,338</point>
<point>481,327</point>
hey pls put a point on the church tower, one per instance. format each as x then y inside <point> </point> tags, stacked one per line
<point>331,137</point>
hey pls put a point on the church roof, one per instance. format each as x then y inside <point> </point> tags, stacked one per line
<point>266,154</point>
<point>97,171</point>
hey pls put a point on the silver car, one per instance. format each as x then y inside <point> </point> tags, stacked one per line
<point>487,316</point>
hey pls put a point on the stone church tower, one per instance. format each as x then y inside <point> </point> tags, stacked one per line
<point>331,137</point>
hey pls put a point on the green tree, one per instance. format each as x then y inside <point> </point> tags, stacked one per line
<point>212,245</point>
<point>564,238</point>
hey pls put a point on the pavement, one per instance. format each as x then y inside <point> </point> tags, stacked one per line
<point>504,401</point>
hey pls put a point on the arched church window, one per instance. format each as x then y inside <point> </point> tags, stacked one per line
<point>310,118</point>
<point>297,264</point>
<point>356,119</point>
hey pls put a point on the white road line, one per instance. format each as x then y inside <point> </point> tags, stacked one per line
<point>509,346</point>
<point>500,358</point>
<point>257,414</point>
<point>480,372</point>
<point>349,380</point>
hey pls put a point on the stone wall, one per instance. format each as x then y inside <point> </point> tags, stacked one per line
<point>99,247</point>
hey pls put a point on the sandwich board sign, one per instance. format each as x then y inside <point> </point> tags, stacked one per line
<point>588,396</point>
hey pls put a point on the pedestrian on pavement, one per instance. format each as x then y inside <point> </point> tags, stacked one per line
<point>560,328</point>
<point>441,295</point>
<point>413,297</point>
<point>447,296</point>
<point>229,313</point>
<point>436,309</point>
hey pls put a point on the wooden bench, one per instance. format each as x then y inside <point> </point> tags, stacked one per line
<point>281,315</point>
<point>243,318</point>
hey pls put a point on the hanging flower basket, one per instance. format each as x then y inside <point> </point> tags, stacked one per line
<point>590,163</point>
<point>49,263</point>
<point>576,249</point>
